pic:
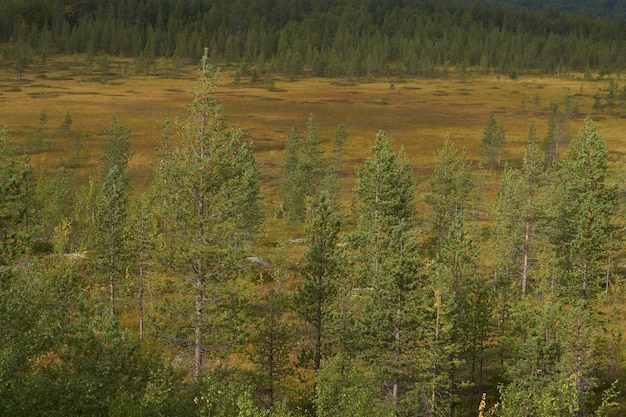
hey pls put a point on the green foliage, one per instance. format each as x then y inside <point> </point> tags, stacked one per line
<point>452,190</point>
<point>348,387</point>
<point>359,39</point>
<point>224,392</point>
<point>111,220</point>
<point>295,183</point>
<point>55,202</point>
<point>385,266</point>
<point>60,356</point>
<point>16,201</point>
<point>302,171</point>
<point>207,198</point>
<point>319,271</point>
<point>116,151</point>
<point>583,210</point>
<point>558,136</point>
<point>66,126</point>
<point>493,141</point>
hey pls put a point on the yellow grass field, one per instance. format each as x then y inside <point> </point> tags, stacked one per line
<point>416,113</point>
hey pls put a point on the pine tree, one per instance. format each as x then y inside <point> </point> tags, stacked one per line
<point>439,348</point>
<point>471,320</point>
<point>493,141</point>
<point>452,191</point>
<point>558,136</point>
<point>516,217</point>
<point>66,126</point>
<point>55,202</point>
<point>385,195</point>
<point>583,209</point>
<point>208,196</point>
<point>312,298</point>
<point>110,222</point>
<point>385,260</point>
<point>295,183</point>
<point>339,143</point>
<point>302,171</point>
<point>116,150</point>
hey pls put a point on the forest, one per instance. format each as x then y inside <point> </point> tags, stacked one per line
<point>490,286</point>
<point>335,38</point>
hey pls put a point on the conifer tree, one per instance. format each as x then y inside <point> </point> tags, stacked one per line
<point>116,150</point>
<point>295,183</point>
<point>438,346</point>
<point>493,141</point>
<point>110,219</point>
<point>385,195</point>
<point>55,202</point>
<point>303,169</point>
<point>110,222</point>
<point>339,143</point>
<point>312,298</point>
<point>385,258</point>
<point>558,136</point>
<point>208,199</point>
<point>516,217</point>
<point>582,215</point>
<point>452,191</point>
<point>273,337</point>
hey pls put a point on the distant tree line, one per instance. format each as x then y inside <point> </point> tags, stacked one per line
<point>335,38</point>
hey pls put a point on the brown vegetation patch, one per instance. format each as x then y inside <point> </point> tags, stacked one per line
<point>61,78</point>
<point>43,94</point>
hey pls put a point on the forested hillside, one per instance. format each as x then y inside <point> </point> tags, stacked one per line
<point>338,38</point>
<point>600,8</point>
<point>490,283</point>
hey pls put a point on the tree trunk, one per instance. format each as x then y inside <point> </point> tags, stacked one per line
<point>112,287</point>
<point>526,251</point>
<point>396,352</point>
<point>197,362</point>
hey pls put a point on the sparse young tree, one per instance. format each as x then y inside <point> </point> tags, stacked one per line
<point>43,119</point>
<point>302,171</point>
<point>66,126</point>
<point>493,141</point>
<point>110,222</point>
<point>294,181</point>
<point>558,136</point>
<point>116,150</point>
